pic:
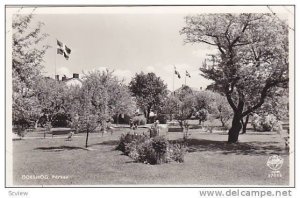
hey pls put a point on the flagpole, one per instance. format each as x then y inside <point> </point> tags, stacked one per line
<point>173,79</point>
<point>55,54</point>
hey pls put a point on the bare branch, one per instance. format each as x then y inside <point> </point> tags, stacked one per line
<point>209,43</point>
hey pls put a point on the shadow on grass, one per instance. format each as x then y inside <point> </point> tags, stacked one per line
<point>59,148</point>
<point>243,148</point>
<point>258,133</point>
<point>109,142</point>
<point>132,162</point>
<point>17,139</point>
<point>248,133</point>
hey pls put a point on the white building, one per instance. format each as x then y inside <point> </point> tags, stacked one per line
<point>74,81</point>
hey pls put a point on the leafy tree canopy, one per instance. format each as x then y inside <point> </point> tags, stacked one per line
<point>252,59</point>
<point>150,92</point>
<point>27,61</point>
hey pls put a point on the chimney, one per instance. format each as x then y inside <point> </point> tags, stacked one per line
<point>63,78</point>
<point>57,77</point>
<point>75,75</point>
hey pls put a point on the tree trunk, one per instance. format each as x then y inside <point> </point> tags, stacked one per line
<point>148,117</point>
<point>235,129</point>
<point>223,122</point>
<point>36,124</point>
<point>243,126</point>
<point>87,138</point>
<point>148,114</point>
<point>245,123</point>
<point>180,123</point>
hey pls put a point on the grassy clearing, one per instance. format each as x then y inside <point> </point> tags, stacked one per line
<point>210,161</point>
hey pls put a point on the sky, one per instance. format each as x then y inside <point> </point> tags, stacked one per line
<point>126,42</point>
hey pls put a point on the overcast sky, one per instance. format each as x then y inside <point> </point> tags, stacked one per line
<point>125,42</point>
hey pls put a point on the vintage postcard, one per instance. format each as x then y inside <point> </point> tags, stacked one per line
<point>150,96</point>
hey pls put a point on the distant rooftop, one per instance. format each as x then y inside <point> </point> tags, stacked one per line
<point>73,81</point>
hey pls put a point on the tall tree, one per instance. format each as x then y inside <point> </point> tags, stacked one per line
<point>252,59</point>
<point>100,97</point>
<point>171,106</point>
<point>150,92</point>
<point>123,102</point>
<point>53,97</point>
<point>94,99</point>
<point>178,107</point>
<point>203,105</point>
<point>220,108</point>
<point>27,58</point>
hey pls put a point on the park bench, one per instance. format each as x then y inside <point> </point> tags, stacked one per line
<point>174,126</point>
<point>175,129</point>
<point>60,131</point>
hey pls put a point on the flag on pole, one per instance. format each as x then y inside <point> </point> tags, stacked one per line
<point>177,73</point>
<point>62,49</point>
<point>187,74</point>
<point>67,52</point>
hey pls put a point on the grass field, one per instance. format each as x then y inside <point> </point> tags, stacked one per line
<point>209,161</point>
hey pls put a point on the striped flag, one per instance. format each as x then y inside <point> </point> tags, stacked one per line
<point>62,49</point>
<point>187,74</point>
<point>177,73</point>
<point>67,52</point>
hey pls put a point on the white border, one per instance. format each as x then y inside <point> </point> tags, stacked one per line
<point>129,192</point>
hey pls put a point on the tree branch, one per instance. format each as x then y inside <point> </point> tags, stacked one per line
<point>228,96</point>
<point>263,96</point>
<point>238,37</point>
<point>209,43</point>
<point>226,32</point>
<point>230,101</point>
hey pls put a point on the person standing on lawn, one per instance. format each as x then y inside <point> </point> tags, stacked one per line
<point>154,130</point>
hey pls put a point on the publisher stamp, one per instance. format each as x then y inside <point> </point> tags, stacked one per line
<point>275,163</point>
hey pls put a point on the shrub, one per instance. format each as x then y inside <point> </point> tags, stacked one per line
<point>162,118</point>
<point>145,152</point>
<point>263,123</point>
<point>160,145</point>
<point>277,126</point>
<point>61,120</point>
<point>201,115</point>
<point>227,125</point>
<point>155,150</point>
<point>177,152</point>
<point>139,120</point>
<point>128,139</point>
<point>21,133</point>
<point>121,119</point>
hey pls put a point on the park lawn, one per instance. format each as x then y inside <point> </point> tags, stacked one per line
<point>209,161</point>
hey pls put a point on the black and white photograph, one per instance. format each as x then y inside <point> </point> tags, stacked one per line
<point>150,96</point>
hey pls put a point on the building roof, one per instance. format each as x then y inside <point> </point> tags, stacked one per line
<point>73,82</point>
<point>193,89</point>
